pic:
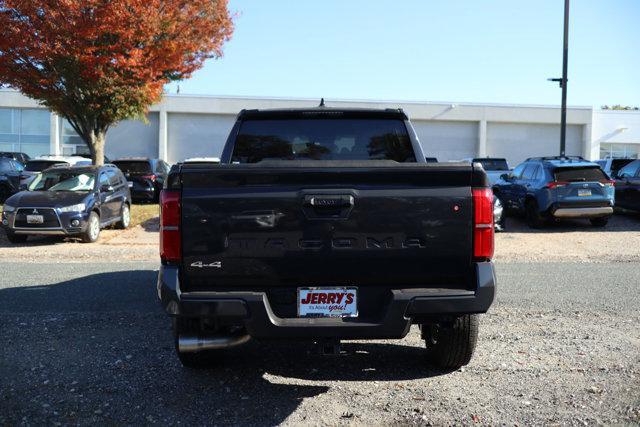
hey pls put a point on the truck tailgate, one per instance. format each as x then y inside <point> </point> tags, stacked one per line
<point>265,226</point>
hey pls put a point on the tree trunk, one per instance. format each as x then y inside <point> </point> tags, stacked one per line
<point>96,147</point>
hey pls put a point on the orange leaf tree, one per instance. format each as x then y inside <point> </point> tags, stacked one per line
<point>96,62</point>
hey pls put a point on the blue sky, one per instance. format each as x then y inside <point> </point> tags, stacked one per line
<point>495,51</point>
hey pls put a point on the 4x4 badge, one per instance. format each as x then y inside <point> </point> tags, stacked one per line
<point>200,264</point>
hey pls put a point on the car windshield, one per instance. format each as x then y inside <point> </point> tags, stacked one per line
<point>323,139</point>
<point>493,164</point>
<point>40,165</point>
<point>578,174</point>
<point>133,166</point>
<point>63,181</point>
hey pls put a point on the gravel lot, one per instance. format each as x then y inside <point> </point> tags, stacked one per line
<point>88,343</point>
<point>573,240</point>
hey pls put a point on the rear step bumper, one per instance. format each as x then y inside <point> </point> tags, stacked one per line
<point>252,309</point>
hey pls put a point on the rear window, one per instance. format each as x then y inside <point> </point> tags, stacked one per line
<point>40,165</point>
<point>493,164</point>
<point>322,139</point>
<point>133,166</point>
<point>579,174</point>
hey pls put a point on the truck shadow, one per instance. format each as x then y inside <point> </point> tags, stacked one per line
<point>106,334</point>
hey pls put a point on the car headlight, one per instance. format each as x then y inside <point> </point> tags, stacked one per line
<point>8,208</point>
<point>74,208</point>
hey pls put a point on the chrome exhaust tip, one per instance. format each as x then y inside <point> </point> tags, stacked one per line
<point>196,343</point>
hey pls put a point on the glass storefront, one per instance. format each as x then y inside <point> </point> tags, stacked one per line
<point>25,130</point>
<point>71,142</point>
<point>619,151</point>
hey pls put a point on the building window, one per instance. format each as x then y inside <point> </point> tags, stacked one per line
<point>25,130</point>
<point>619,151</point>
<point>71,142</point>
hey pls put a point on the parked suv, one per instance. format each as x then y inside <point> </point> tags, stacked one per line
<point>628,186</point>
<point>145,177</point>
<point>493,166</point>
<point>545,188</point>
<point>18,157</point>
<point>10,174</point>
<point>34,167</point>
<point>69,200</point>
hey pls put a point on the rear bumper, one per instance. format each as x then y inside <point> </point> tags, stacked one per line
<point>253,311</point>
<point>591,212</point>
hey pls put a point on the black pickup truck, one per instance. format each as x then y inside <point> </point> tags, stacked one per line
<point>326,224</point>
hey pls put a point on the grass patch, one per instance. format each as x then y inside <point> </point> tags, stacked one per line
<point>143,213</point>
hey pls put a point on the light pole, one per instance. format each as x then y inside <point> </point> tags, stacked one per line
<point>563,81</point>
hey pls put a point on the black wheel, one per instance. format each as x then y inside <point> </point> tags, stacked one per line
<point>92,232</point>
<point>197,360</point>
<point>125,217</point>
<point>499,215</point>
<point>451,345</point>
<point>15,238</point>
<point>599,222</point>
<point>534,218</point>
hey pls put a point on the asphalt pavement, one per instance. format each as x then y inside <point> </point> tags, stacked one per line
<point>88,343</point>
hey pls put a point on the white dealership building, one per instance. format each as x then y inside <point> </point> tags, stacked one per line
<point>184,126</point>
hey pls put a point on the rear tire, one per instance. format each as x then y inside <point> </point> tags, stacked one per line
<point>534,218</point>
<point>599,222</point>
<point>451,346</point>
<point>125,217</point>
<point>15,238</point>
<point>92,232</point>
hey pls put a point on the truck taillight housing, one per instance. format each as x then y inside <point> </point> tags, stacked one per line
<point>170,250</point>
<point>483,224</point>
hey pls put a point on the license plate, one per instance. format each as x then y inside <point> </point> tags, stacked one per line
<point>130,184</point>
<point>35,219</point>
<point>327,302</point>
<point>583,193</point>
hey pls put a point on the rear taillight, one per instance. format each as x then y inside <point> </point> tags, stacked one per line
<point>608,182</point>
<point>152,178</point>
<point>170,249</point>
<point>556,184</point>
<point>483,223</point>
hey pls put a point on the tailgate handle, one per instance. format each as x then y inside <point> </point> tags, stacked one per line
<point>330,202</point>
<point>328,206</point>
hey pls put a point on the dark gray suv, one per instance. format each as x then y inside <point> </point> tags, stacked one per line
<point>69,200</point>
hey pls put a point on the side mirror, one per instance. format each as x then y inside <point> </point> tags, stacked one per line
<point>106,188</point>
<point>505,177</point>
